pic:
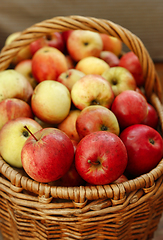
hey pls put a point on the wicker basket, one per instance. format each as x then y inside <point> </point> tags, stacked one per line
<point>130,210</point>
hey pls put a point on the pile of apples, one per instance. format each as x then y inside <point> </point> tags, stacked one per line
<point>73,111</point>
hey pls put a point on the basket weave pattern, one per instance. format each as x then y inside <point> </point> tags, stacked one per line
<point>130,210</point>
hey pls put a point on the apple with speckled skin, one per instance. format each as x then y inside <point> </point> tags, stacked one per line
<point>12,138</point>
<point>101,157</point>
<point>14,85</point>
<point>96,118</point>
<point>120,79</point>
<point>47,155</point>
<point>12,108</point>
<point>144,148</point>
<point>48,63</point>
<point>92,89</point>
<point>84,43</point>
<point>130,107</point>
<point>70,77</point>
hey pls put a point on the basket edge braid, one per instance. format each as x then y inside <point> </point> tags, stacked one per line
<point>153,92</point>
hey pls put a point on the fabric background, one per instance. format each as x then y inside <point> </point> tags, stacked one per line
<point>143,17</point>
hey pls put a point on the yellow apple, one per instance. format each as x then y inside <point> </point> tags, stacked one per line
<point>51,101</point>
<point>14,85</point>
<point>12,138</point>
<point>92,65</point>
<point>111,44</point>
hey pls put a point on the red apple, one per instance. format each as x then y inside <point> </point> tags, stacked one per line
<point>144,148</point>
<point>152,117</point>
<point>92,89</point>
<point>12,108</point>
<point>111,44</point>
<point>48,63</point>
<point>131,62</point>
<point>96,118</point>
<point>100,158</point>
<point>130,107</point>
<point>110,58</point>
<point>54,39</point>
<point>47,155</point>
<point>120,79</point>
<point>121,179</point>
<point>83,43</point>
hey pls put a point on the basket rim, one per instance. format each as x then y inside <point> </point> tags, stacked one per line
<point>152,88</point>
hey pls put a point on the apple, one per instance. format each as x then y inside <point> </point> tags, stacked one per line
<point>96,118</point>
<point>71,178</point>
<point>14,85</point>
<point>12,138</point>
<point>111,44</point>
<point>51,101</point>
<point>100,158</point>
<point>131,62</point>
<point>12,108</point>
<point>120,79</point>
<point>92,89</point>
<point>70,62</point>
<point>110,58</point>
<point>54,39</point>
<point>121,179</point>
<point>66,34</point>
<point>84,43</point>
<point>48,63</point>
<point>68,125</point>
<point>152,118</point>
<point>92,65</point>
<point>144,148</point>
<point>70,77</point>
<point>47,155</point>
<point>130,107</point>
<point>25,67</point>
<point>23,54</point>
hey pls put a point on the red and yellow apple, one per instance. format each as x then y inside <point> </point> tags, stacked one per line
<point>111,44</point>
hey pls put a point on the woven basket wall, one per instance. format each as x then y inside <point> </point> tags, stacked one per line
<point>125,211</point>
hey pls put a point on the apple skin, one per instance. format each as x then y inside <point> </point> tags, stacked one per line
<point>51,101</point>
<point>48,158</point>
<point>131,62</point>
<point>120,79</point>
<point>25,68</point>
<point>92,65</point>
<point>23,54</point>
<point>152,118</point>
<point>70,77</point>
<point>84,43</point>
<point>12,108</point>
<point>100,158</point>
<point>110,58</point>
<point>12,138</point>
<point>68,125</point>
<point>92,89</point>
<point>54,39</point>
<point>14,85</point>
<point>144,148</point>
<point>111,44</point>
<point>121,179</point>
<point>96,118</point>
<point>48,63</point>
<point>130,107</point>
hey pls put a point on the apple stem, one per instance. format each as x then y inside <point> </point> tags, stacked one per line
<point>30,133</point>
<point>94,163</point>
